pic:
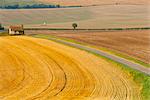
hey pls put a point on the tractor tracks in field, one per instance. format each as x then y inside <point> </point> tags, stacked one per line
<point>49,85</point>
<point>59,72</point>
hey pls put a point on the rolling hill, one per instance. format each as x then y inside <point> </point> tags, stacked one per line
<point>110,16</point>
<point>47,70</point>
<point>73,2</point>
<point>96,2</point>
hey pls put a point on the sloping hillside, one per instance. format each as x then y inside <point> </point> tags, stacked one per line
<point>110,16</point>
<point>46,70</point>
<point>73,2</point>
<point>96,2</point>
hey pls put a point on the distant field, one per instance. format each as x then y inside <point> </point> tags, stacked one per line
<point>133,43</point>
<point>95,2</point>
<point>74,2</point>
<point>110,16</point>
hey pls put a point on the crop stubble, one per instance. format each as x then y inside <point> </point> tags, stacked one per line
<point>32,68</point>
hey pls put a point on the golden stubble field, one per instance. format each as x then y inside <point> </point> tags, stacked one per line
<point>32,68</point>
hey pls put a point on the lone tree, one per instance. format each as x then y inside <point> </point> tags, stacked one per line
<point>74,25</point>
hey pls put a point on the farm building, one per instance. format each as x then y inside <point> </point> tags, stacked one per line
<point>16,30</point>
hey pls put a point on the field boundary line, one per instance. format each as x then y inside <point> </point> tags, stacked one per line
<point>103,29</point>
<point>120,60</point>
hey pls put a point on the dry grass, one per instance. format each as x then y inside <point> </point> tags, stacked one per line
<point>32,68</point>
<point>133,43</point>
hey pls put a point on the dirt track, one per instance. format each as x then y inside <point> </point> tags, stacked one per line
<point>32,68</point>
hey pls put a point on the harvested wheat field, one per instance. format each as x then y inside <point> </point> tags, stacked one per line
<point>108,16</point>
<point>32,68</point>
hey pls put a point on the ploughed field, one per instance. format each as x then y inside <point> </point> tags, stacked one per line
<point>94,17</point>
<point>32,68</point>
<point>134,43</point>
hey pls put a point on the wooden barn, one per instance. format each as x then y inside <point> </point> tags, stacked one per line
<point>16,30</point>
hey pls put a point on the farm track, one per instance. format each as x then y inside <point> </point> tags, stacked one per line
<point>38,69</point>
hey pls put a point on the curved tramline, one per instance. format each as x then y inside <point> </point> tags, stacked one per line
<point>32,68</point>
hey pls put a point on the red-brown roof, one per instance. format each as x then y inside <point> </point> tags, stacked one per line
<point>16,28</point>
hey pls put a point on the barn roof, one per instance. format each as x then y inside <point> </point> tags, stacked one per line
<point>16,28</point>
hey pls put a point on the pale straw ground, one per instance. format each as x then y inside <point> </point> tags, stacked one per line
<point>32,68</point>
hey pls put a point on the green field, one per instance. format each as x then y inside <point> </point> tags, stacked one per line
<point>110,16</point>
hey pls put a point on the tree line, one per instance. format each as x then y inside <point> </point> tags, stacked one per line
<point>17,6</point>
<point>1,27</point>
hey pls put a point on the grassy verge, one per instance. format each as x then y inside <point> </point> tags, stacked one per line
<point>3,33</point>
<point>125,56</point>
<point>140,78</point>
<point>100,48</point>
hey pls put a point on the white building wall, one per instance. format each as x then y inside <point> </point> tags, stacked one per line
<point>11,32</point>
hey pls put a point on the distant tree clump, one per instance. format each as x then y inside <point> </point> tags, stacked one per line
<point>1,27</point>
<point>74,25</point>
<point>17,6</point>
